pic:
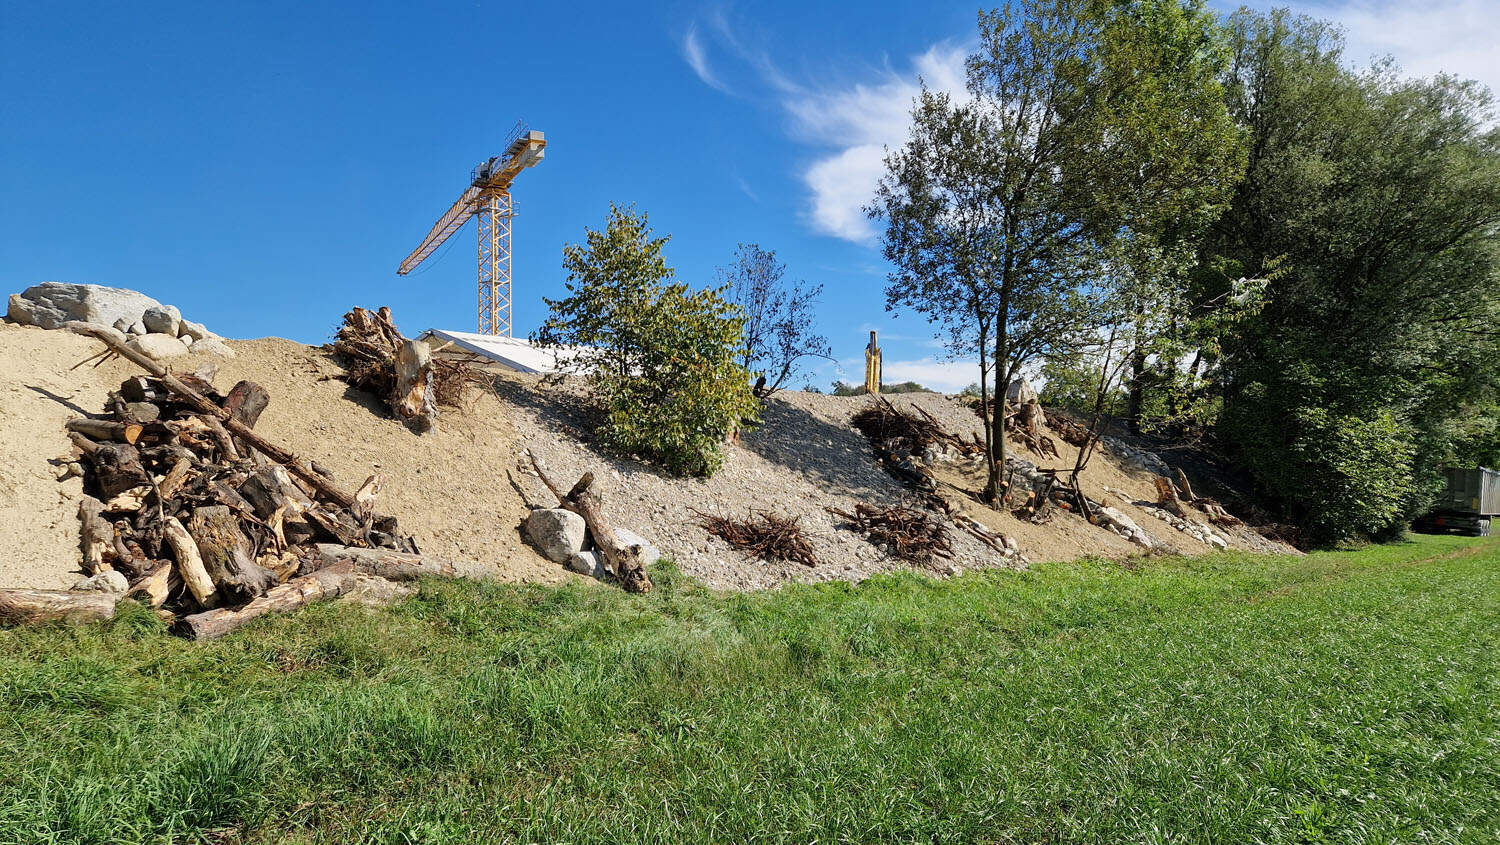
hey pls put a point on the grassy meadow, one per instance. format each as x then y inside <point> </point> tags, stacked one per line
<point>1341,697</point>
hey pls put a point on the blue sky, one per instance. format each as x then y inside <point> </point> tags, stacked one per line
<point>265,166</point>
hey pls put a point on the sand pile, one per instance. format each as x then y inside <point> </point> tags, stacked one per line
<point>448,487</point>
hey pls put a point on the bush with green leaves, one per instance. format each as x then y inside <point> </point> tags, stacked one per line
<point>661,357</point>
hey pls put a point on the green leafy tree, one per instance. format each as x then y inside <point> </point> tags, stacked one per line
<point>1346,393</point>
<point>1088,125</point>
<point>662,358</point>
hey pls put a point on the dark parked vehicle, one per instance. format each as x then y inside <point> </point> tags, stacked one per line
<point>1468,503</point>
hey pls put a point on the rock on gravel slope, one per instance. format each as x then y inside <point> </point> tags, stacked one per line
<point>804,456</point>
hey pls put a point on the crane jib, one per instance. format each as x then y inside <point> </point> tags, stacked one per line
<point>488,195</point>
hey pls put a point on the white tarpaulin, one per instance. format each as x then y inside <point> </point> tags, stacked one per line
<point>511,352</point>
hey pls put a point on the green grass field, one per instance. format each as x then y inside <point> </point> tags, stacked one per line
<point>1341,697</point>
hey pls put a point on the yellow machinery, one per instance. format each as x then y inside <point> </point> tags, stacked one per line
<point>488,196</point>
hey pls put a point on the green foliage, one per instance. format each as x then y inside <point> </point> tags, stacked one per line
<point>661,357</point>
<point>1095,134</point>
<point>1349,470</point>
<point>1380,196</point>
<point>1336,697</point>
<point>1072,382</point>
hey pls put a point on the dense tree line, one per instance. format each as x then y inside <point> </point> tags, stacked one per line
<point>1216,226</point>
<point>1374,360</point>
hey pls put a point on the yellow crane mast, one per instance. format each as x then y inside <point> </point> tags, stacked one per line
<point>488,197</point>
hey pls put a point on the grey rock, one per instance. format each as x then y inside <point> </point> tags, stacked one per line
<point>143,411</point>
<point>556,533</point>
<point>158,346</point>
<point>1019,392</point>
<point>196,331</point>
<point>165,319</point>
<point>585,563</point>
<point>630,538</point>
<point>108,581</point>
<point>213,346</point>
<point>50,304</point>
<point>137,328</point>
<point>122,325</point>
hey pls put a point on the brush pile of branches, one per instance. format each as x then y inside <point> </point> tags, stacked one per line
<point>891,430</point>
<point>763,534</point>
<point>912,535</point>
<point>379,359</point>
<point>192,512</point>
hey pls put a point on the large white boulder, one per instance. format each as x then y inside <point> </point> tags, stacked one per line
<point>556,533</point>
<point>212,346</point>
<point>50,304</point>
<point>1019,392</point>
<point>157,346</point>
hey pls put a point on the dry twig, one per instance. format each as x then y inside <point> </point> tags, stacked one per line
<point>763,534</point>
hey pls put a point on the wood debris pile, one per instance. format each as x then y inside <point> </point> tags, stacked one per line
<point>1071,432</point>
<point>891,430</point>
<point>1167,497</point>
<point>1023,421</point>
<point>907,533</point>
<point>763,534</point>
<point>402,372</point>
<point>194,513</point>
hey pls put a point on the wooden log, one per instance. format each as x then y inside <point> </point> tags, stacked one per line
<point>246,401</point>
<point>174,479</point>
<point>32,607</point>
<point>367,493</point>
<point>414,380</point>
<point>627,562</point>
<point>1166,496</point>
<point>204,405</point>
<point>299,592</point>
<point>154,587</point>
<point>397,566</point>
<point>227,450</point>
<point>226,553</point>
<point>1185,487</point>
<point>190,563</point>
<point>117,468</point>
<point>106,429</point>
<point>97,536</point>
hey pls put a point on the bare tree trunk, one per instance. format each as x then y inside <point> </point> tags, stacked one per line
<point>31,607</point>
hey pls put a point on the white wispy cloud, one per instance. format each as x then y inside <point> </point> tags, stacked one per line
<point>1458,37</point>
<point>852,126</point>
<point>933,373</point>
<point>848,123</point>
<point>697,58</point>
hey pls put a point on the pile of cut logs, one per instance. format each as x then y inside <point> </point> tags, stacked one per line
<point>197,515</point>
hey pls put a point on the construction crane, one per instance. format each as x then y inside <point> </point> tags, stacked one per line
<point>488,197</point>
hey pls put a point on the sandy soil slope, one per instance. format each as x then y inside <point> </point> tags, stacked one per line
<point>447,487</point>
<point>464,489</point>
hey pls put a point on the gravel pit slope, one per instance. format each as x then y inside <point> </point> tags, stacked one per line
<point>464,489</point>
